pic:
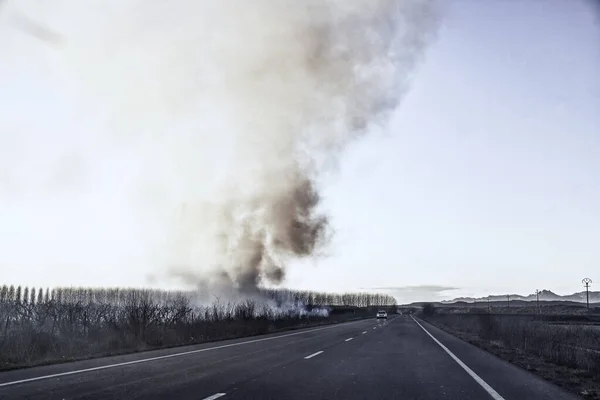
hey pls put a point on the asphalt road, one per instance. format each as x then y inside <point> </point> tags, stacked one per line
<point>400,358</point>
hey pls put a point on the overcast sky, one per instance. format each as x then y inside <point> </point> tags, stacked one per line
<point>487,179</point>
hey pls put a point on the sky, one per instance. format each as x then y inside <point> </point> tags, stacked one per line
<point>485,181</point>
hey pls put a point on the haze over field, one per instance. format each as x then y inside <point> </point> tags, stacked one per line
<point>544,295</point>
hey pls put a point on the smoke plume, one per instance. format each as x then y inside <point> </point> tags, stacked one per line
<point>217,119</point>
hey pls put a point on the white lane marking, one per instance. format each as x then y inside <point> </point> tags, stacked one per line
<point>313,355</point>
<point>80,371</point>
<point>364,332</point>
<point>374,327</point>
<point>214,396</point>
<point>349,339</point>
<point>495,395</point>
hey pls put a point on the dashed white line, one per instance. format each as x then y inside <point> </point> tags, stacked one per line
<point>80,371</point>
<point>374,327</point>
<point>313,355</point>
<point>349,339</point>
<point>214,396</point>
<point>495,395</point>
<point>364,332</point>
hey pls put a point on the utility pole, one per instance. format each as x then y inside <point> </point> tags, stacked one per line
<point>508,300</point>
<point>586,282</point>
<point>537,300</point>
<point>489,308</point>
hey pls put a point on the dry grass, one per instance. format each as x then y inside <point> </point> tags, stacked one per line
<point>569,355</point>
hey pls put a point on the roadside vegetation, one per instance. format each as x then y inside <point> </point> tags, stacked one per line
<point>562,348</point>
<point>46,326</point>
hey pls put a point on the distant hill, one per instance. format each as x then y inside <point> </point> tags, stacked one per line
<point>545,295</point>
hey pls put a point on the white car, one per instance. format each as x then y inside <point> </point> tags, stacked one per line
<point>381,314</point>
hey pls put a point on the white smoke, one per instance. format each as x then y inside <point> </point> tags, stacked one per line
<point>206,124</point>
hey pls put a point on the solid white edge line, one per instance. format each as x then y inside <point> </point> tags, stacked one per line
<point>495,395</point>
<point>313,355</point>
<point>349,339</point>
<point>80,371</point>
<point>214,396</point>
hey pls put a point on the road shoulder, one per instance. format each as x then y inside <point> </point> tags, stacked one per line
<point>509,380</point>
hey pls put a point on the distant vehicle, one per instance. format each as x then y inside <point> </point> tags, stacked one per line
<point>381,314</point>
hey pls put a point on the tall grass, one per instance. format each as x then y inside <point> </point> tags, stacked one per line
<point>575,346</point>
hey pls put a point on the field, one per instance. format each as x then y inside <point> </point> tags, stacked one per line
<point>558,345</point>
<point>63,324</point>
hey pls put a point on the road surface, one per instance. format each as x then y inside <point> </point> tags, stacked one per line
<point>400,358</point>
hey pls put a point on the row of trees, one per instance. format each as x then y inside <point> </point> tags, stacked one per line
<point>119,296</point>
<point>323,299</point>
<point>44,325</point>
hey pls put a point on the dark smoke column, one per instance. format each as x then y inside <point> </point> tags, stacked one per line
<point>317,77</point>
<point>308,79</point>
